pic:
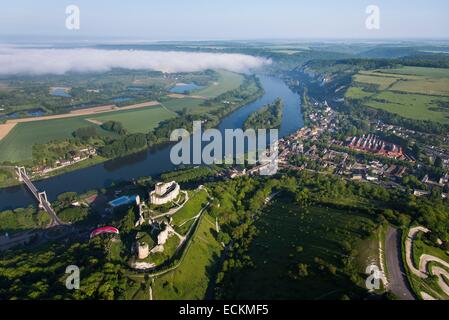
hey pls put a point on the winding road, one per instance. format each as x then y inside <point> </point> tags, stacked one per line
<point>424,271</point>
<point>397,278</point>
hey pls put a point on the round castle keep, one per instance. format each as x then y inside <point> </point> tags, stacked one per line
<point>164,193</point>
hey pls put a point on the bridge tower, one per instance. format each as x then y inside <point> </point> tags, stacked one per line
<point>42,198</point>
<point>21,171</point>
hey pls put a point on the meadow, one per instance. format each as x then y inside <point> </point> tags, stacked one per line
<point>184,217</point>
<point>191,105</point>
<point>381,82</point>
<point>318,238</point>
<point>411,92</point>
<point>419,71</point>
<point>191,280</point>
<point>135,121</point>
<point>227,81</point>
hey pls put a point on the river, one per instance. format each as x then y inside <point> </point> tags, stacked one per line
<point>153,161</point>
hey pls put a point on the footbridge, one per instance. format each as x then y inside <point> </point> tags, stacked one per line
<point>40,196</point>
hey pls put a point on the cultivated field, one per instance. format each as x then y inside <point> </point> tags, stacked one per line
<point>17,136</point>
<point>381,82</point>
<point>227,81</point>
<point>419,71</point>
<point>5,129</point>
<point>17,145</point>
<point>184,96</point>
<point>191,105</point>
<point>138,120</point>
<point>411,92</point>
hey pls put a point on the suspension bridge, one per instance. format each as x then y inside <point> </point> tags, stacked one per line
<point>40,196</point>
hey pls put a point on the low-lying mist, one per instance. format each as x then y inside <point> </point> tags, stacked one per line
<point>17,61</point>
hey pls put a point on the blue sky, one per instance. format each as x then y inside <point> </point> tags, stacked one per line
<point>230,19</point>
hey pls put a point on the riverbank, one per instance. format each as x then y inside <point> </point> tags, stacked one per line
<point>76,166</point>
<point>155,160</point>
<point>99,160</point>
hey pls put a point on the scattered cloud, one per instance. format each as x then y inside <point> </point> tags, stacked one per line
<point>14,61</point>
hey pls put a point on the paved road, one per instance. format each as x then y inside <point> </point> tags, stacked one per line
<point>395,268</point>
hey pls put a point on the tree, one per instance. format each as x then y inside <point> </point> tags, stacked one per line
<point>114,126</point>
<point>85,133</point>
<point>128,221</point>
<point>416,150</point>
<point>303,270</point>
<point>438,162</point>
<point>67,197</point>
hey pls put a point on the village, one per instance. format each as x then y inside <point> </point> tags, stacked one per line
<point>365,158</point>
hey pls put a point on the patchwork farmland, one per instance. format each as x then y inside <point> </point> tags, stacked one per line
<point>18,136</point>
<point>411,92</point>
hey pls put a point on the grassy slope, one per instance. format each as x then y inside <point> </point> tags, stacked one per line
<point>197,201</point>
<point>191,279</point>
<point>320,232</point>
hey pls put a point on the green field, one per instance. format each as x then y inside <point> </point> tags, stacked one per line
<point>413,106</point>
<point>191,280</point>
<point>17,145</point>
<point>435,87</point>
<point>192,106</point>
<point>380,82</point>
<point>197,201</point>
<point>414,93</point>
<point>419,71</point>
<point>357,93</point>
<point>142,120</point>
<point>289,236</point>
<point>227,81</point>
